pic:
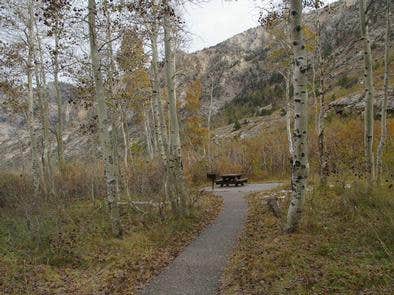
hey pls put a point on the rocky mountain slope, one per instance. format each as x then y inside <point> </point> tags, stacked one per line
<point>240,67</point>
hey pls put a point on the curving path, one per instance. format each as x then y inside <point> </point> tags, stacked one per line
<point>198,269</point>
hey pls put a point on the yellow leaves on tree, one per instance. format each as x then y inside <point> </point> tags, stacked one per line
<point>134,89</point>
<point>195,132</point>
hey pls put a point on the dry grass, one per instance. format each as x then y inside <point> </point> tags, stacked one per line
<point>345,246</point>
<point>70,250</point>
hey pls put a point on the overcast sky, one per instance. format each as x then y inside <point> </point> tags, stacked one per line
<point>217,20</point>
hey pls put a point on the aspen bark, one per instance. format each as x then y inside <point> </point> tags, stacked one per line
<point>45,118</point>
<point>369,94</point>
<point>210,158</point>
<point>112,113</point>
<point>59,101</point>
<point>177,180</point>
<point>35,166</point>
<point>104,124</point>
<point>383,136</point>
<point>323,169</point>
<point>41,147</point>
<point>300,161</point>
<point>148,136</point>
<point>126,143</point>
<point>289,116</point>
<point>158,107</point>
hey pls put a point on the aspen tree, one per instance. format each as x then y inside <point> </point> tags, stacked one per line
<point>210,158</point>
<point>383,136</point>
<point>44,96</point>
<point>54,18</point>
<point>35,166</point>
<point>175,166</point>
<point>112,113</point>
<point>103,121</point>
<point>369,93</point>
<point>158,107</point>
<point>300,162</point>
<point>320,101</point>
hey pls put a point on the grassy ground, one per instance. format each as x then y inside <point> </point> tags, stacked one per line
<point>345,246</point>
<point>71,251</point>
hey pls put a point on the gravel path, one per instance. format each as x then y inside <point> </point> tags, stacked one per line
<point>198,269</point>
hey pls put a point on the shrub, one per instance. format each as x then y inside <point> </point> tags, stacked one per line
<point>15,190</point>
<point>346,82</point>
<point>236,125</point>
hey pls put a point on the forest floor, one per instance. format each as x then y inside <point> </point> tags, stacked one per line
<point>71,250</point>
<point>197,270</point>
<point>345,246</point>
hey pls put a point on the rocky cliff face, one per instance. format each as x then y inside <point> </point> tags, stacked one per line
<point>232,67</point>
<point>241,65</point>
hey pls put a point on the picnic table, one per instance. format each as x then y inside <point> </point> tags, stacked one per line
<point>232,178</point>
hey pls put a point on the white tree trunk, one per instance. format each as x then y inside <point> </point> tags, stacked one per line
<point>289,117</point>
<point>210,158</point>
<point>112,113</point>
<point>59,102</point>
<point>126,143</point>
<point>177,179</point>
<point>160,128</point>
<point>35,166</point>
<point>369,94</point>
<point>41,147</point>
<point>47,143</point>
<point>300,161</point>
<point>383,136</point>
<point>148,137</point>
<point>104,124</point>
<point>323,165</point>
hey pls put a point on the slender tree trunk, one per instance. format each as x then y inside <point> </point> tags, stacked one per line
<point>126,141</point>
<point>59,102</point>
<point>148,136</point>
<point>300,162</point>
<point>152,116</point>
<point>210,159</point>
<point>369,94</point>
<point>289,116</point>
<point>158,107</point>
<point>45,117</point>
<point>41,147</point>
<point>125,134</point>
<point>383,136</point>
<point>175,166</point>
<point>112,112</point>
<point>160,121</point>
<point>104,124</point>
<point>35,166</point>
<point>323,169</point>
